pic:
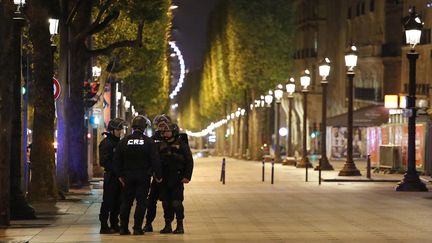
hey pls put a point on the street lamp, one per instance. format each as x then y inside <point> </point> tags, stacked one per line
<point>350,168</point>
<point>413,27</point>
<point>324,71</point>
<point>278,93</point>
<point>53,26</point>
<point>290,88</point>
<point>18,14</point>
<point>96,71</point>
<point>269,98</point>
<point>53,29</point>
<point>305,81</point>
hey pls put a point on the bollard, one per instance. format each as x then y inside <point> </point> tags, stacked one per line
<point>307,167</point>
<point>263,166</point>
<point>272,172</point>
<point>222,169</point>
<point>319,173</point>
<point>368,167</point>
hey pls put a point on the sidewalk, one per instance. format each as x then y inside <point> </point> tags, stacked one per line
<point>246,209</point>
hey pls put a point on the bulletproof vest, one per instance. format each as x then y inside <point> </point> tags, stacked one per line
<point>137,152</point>
<point>172,155</point>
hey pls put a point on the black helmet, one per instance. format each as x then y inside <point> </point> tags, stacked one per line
<point>161,122</point>
<point>140,122</point>
<point>161,118</point>
<point>116,124</point>
<point>174,129</point>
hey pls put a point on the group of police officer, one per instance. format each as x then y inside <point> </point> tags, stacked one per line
<point>131,163</point>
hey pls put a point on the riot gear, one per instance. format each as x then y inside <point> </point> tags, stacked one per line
<point>110,206</point>
<point>140,122</point>
<point>177,163</point>
<point>135,158</point>
<point>116,124</point>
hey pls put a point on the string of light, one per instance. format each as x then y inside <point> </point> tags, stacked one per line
<point>182,69</point>
<point>239,113</point>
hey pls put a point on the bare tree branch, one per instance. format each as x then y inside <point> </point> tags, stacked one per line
<point>102,11</point>
<point>97,27</point>
<point>106,51</point>
<point>73,12</point>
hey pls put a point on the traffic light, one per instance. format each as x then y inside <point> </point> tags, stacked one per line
<point>90,90</point>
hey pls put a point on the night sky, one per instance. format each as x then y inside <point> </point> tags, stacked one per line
<point>190,29</point>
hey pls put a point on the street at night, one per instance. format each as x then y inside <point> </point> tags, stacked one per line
<point>215,121</point>
<point>246,209</point>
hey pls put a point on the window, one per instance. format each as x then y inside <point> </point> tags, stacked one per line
<point>358,9</point>
<point>363,8</point>
<point>349,13</point>
<point>372,5</point>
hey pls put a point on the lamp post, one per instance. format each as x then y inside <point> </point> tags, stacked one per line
<point>290,88</point>
<point>238,134</point>
<point>268,99</point>
<point>324,71</point>
<point>19,208</point>
<point>53,29</point>
<point>278,93</point>
<point>244,134</point>
<point>350,168</point>
<point>411,181</point>
<point>305,81</point>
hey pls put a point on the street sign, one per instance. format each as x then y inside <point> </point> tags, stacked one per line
<point>57,88</point>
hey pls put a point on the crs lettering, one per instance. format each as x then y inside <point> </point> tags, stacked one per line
<point>135,142</point>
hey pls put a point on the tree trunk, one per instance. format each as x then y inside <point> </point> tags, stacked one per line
<point>43,183</point>
<point>62,167</point>
<point>19,208</point>
<point>79,58</point>
<point>6,63</point>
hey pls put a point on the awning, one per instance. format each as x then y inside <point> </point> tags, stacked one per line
<point>370,116</point>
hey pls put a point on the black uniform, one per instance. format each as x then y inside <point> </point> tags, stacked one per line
<point>135,158</point>
<point>110,207</point>
<point>177,163</point>
<point>154,189</point>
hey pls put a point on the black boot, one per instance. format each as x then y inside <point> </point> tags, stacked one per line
<point>105,229</point>
<point>179,229</point>
<point>167,229</point>
<point>148,227</point>
<point>138,231</point>
<point>124,231</point>
<point>115,228</point>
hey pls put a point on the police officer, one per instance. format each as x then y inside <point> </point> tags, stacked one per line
<point>160,123</point>
<point>110,206</point>
<point>177,165</point>
<point>135,158</point>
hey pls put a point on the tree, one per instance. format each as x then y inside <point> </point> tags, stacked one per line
<point>43,184</point>
<point>250,52</point>
<point>80,26</point>
<point>144,69</point>
<point>6,62</point>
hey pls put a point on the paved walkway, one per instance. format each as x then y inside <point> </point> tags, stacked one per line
<point>246,209</point>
